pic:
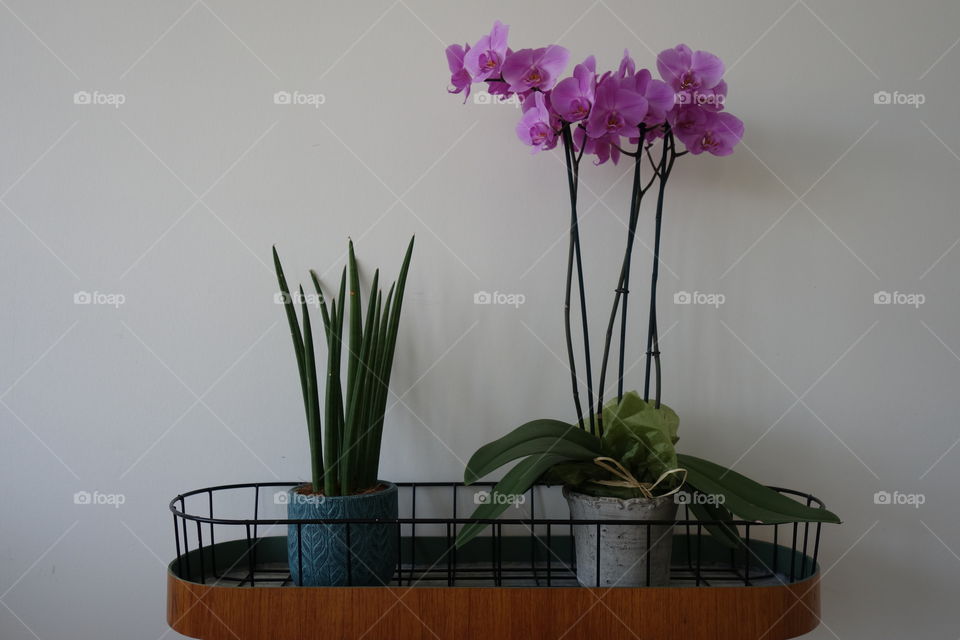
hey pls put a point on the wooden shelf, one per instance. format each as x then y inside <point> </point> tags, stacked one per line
<point>771,611</point>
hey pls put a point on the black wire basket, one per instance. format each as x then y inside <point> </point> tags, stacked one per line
<point>227,536</point>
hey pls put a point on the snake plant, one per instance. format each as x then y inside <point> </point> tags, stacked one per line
<point>345,455</point>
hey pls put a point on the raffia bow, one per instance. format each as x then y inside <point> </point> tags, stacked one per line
<point>628,480</point>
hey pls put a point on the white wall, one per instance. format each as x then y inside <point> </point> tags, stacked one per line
<point>174,198</point>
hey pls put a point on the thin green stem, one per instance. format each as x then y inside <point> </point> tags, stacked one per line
<point>667,159</point>
<point>635,198</point>
<point>571,254</point>
<point>574,162</point>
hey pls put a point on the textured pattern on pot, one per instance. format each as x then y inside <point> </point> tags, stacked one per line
<point>623,549</point>
<point>323,553</point>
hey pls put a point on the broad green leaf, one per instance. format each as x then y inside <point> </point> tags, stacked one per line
<point>574,473</point>
<point>715,519</point>
<point>746,498</point>
<point>514,483</point>
<point>548,445</point>
<point>481,461</point>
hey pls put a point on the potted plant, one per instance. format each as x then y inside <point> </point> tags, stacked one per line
<point>345,453</point>
<point>618,460</point>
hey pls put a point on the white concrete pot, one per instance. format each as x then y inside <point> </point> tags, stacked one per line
<point>623,548</point>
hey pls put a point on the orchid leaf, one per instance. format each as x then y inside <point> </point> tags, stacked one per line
<point>715,519</point>
<point>514,483</point>
<point>549,445</point>
<point>546,431</point>
<point>746,498</point>
<point>574,473</point>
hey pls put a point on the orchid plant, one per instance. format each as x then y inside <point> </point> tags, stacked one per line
<point>624,447</point>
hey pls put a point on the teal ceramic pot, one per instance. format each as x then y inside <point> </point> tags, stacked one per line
<point>322,559</point>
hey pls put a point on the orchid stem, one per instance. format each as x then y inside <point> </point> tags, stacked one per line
<point>653,342</point>
<point>571,253</point>
<point>635,198</point>
<point>634,217</point>
<point>573,176</point>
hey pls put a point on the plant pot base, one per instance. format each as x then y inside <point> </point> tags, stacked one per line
<point>335,555</point>
<point>630,555</point>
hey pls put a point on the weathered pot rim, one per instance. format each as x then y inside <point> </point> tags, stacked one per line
<point>390,488</point>
<point>624,503</point>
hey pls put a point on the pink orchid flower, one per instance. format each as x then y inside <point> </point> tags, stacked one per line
<point>459,76</point>
<point>604,148</point>
<point>618,111</point>
<point>689,71</point>
<point>535,127</point>
<point>717,133</point>
<point>529,69</point>
<point>486,57</point>
<point>660,96</point>
<point>573,97</point>
<point>711,99</point>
